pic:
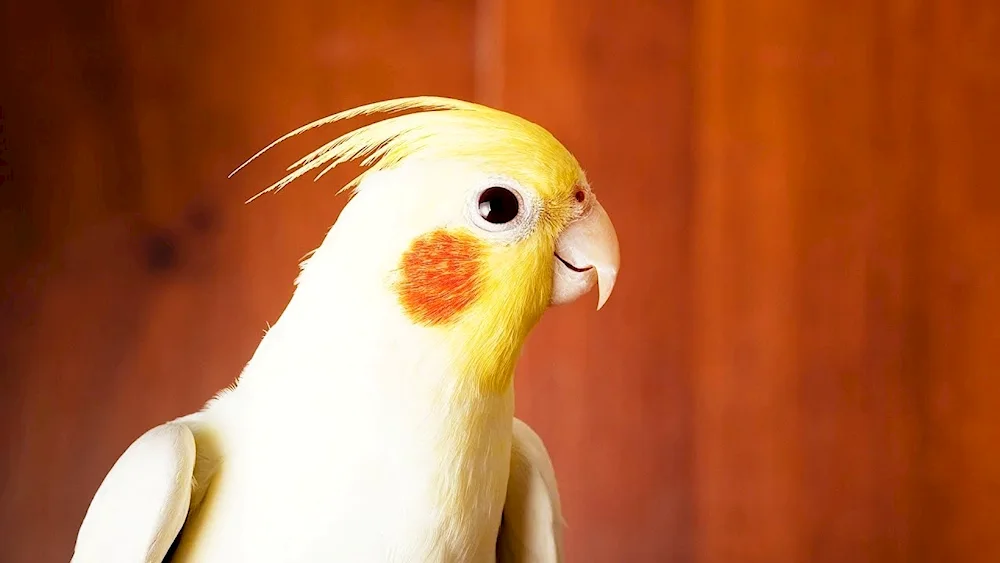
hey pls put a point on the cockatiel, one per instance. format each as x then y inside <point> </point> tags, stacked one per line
<point>375,421</point>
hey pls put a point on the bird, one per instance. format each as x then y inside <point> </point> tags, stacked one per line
<point>375,419</point>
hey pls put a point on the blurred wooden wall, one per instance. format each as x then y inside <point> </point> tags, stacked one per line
<point>801,360</point>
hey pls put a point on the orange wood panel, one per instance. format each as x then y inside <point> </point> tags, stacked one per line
<point>846,249</point>
<point>956,260</point>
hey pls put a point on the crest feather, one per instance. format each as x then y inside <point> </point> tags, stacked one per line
<point>446,128</point>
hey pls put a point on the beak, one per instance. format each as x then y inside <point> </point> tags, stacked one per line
<point>586,252</point>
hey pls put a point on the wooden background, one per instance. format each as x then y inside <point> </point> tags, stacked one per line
<point>801,360</point>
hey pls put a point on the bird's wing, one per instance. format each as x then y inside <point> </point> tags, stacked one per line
<point>531,529</point>
<point>143,502</point>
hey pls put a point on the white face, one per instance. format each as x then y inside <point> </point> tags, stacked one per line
<point>421,197</point>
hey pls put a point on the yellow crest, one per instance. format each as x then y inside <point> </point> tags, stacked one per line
<point>447,129</point>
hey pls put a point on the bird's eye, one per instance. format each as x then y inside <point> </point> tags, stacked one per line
<point>502,210</point>
<point>498,205</point>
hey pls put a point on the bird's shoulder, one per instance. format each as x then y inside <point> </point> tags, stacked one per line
<point>531,528</point>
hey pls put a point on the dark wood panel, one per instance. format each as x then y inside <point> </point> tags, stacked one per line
<point>141,283</point>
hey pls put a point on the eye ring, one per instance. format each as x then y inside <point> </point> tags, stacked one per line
<point>500,207</point>
<point>516,228</point>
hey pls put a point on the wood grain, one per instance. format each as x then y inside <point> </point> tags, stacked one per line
<point>798,364</point>
<point>825,368</point>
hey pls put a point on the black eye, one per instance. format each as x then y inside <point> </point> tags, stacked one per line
<point>498,205</point>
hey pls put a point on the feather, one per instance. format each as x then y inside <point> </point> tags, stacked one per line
<point>447,128</point>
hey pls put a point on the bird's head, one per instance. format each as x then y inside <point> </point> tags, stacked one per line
<point>473,219</point>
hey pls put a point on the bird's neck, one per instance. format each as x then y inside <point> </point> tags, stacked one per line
<point>379,419</point>
<point>347,344</point>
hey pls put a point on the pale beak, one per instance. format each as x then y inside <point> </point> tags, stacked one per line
<point>586,252</point>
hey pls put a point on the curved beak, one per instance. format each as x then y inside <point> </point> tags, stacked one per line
<point>586,252</point>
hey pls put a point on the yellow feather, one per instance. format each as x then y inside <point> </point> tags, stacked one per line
<point>488,337</point>
<point>446,129</point>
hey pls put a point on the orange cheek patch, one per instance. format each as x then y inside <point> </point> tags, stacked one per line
<point>440,276</point>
